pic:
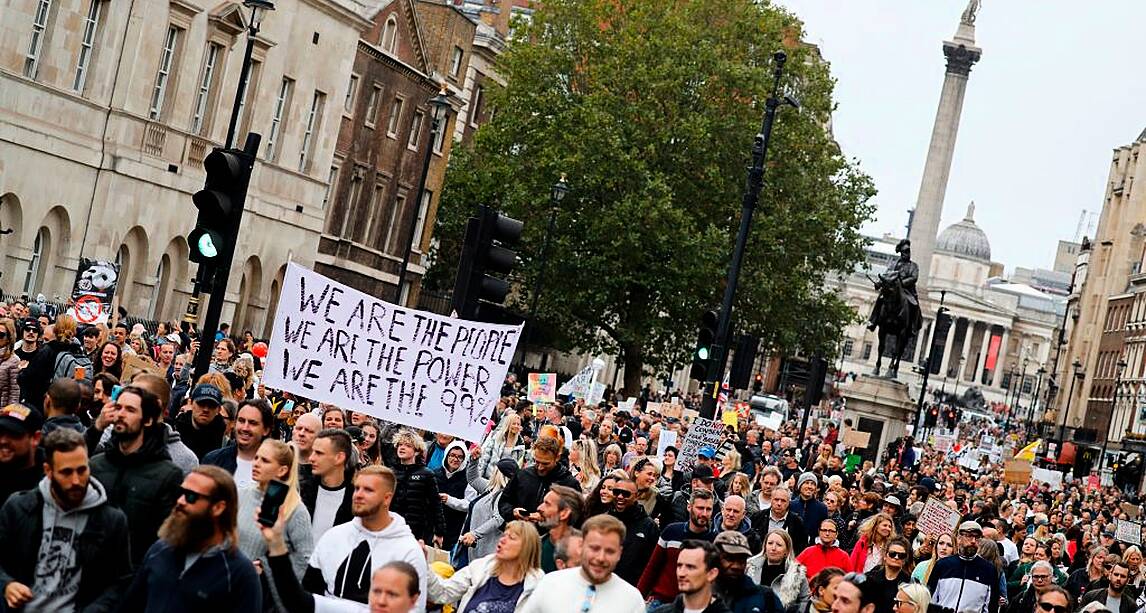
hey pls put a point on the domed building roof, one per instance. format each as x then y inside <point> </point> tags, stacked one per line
<point>965,238</point>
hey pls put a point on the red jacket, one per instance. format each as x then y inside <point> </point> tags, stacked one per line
<point>816,558</point>
<point>859,554</point>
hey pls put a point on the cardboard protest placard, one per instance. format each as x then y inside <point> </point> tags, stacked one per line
<point>703,432</point>
<point>773,421</point>
<point>332,343</point>
<point>133,364</point>
<point>627,405</point>
<point>943,443</point>
<point>668,439</point>
<point>1017,472</point>
<point>671,409</point>
<point>1128,531</point>
<point>856,438</point>
<point>1050,477</point>
<point>542,387</point>
<point>1131,510</point>
<point>937,518</point>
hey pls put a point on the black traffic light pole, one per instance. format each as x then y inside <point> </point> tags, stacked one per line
<point>213,275</point>
<point>755,181</point>
<point>483,251</point>
<point>939,314</point>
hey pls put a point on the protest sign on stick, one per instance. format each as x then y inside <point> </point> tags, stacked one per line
<point>703,432</point>
<point>542,387</point>
<point>335,344</point>
<point>937,518</point>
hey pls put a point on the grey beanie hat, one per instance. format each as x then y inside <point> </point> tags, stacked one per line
<point>805,477</point>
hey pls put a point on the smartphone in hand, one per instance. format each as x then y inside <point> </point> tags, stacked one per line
<point>273,500</point>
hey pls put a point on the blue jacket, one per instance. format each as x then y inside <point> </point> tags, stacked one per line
<point>747,596</point>
<point>226,458</point>
<point>812,513</point>
<point>220,580</point>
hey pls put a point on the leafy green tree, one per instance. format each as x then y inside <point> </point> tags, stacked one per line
<point>650,108</point>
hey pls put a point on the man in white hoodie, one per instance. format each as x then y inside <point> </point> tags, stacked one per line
<point>348,554</point>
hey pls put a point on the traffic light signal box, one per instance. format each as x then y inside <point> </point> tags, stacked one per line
<point>220,204</point>
<point>702,355</point>
<point>485,251</point>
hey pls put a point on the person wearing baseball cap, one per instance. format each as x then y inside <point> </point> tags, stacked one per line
<point>21,461</point>
<point>203,426</point>
<point>733,586</point>
<point>701,478</point>
<point>967,581</point>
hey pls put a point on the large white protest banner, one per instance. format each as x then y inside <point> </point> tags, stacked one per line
<point>703,432</point>
<point>579,385</point>
<point>335,344</point>
<point>937,518</point>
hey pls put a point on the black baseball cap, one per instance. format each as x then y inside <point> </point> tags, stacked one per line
<point>205,393</point>
<point>21,419</point>
<point>704,473</point>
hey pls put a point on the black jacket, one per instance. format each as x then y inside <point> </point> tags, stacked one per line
<point>677,606</point>
<point>200,440</point>
<point>795,528</point>
<point>20,479</point>
<point>37,376</point>
<point>454,485</point>
<point>308,492</point>
<point>144,485</point>
<point>99,550</point>
<point>416,500</point>
<point>641,535</point>
<point>220,580</point>
<point>226,458</point>
<point>526,489</point>
<point>1125,606</point>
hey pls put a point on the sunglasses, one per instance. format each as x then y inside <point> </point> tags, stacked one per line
<point>622,493</point>
<point>1040,577</point>
<point>191,496</point>
<point>899,602</point>
<point>1057,608</point>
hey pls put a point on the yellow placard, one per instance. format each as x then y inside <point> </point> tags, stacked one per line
<point>730,417</point>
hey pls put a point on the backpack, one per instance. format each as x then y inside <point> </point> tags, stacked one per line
<point>67,363</point>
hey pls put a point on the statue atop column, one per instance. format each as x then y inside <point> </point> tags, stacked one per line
<point>970,13</point>
<point>896,311</point>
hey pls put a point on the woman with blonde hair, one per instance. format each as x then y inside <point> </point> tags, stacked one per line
<point>275,461</point>
<point>912,598</point>
<point>9,364</point>
<point>740,485</point>
<point>583,463</point>
<point>776,567</point>
<point>510,574</point>
<point>504,442</point>
<point>483,525</point>
<point>874,535</point>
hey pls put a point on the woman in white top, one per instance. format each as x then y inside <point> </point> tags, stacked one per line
<point>503,442</point>
<point>497,583</point>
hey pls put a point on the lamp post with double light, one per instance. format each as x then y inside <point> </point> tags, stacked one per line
<point>1078,374</point>
<point>556,195</point>
<point>259,9</point>
<point>1113,407</point>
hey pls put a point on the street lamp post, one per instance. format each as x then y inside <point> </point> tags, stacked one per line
<point>958,373</point>
<point>747,207</point>
<point>1010,395</point>
<point>556,195</point>
<point>1113,407</point>
<point>1019,391</point>
<point>258,11</point>
<point>1078,374</point>
<point>440,104</point>
<point>1035,397</point>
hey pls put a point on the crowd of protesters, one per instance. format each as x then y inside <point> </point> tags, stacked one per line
<point>126,485</point>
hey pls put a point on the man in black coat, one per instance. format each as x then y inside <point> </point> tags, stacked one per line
<point>778,516</point>
<point>416,496</point>
<point>85,561</point>
<point>203,426</point>
<point>640,532</point>
<point>524,492</point>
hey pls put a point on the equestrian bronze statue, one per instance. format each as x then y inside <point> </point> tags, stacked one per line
<point>896,311</point>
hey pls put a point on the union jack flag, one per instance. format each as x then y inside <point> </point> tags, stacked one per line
<point>722,397</point>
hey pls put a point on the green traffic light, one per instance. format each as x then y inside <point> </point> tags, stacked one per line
<point>702,353</point>
<point>207,246</point>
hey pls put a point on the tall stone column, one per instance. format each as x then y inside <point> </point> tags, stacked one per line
<point>948,345</point>
<point>984,346</point>
<point>962,364</point>
<point>961,54</point>
<point>1001,359</point>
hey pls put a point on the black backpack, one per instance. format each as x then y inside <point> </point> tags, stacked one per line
<point>67,363</point>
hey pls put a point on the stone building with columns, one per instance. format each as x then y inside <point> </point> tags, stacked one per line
<point>997,326</point>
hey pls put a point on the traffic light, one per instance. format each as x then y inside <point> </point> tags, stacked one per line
<point>742,361</point>
<point>702,355</point>
<point>220,205</point>
<point>817,374</point>
<point>758,384</point>
<point>939,339</point>
<point>483,252</point>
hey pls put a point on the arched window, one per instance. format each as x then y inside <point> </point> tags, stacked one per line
<point>389,39</point>
<point>34,278</point>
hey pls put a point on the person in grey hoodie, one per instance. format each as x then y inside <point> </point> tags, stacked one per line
<point>63,543</point>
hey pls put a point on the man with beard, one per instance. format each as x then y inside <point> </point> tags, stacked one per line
<point>140,478</point>
<point>525,490</point>
<point>967,581</point>
<point>737,589</point>
<point>253,423</point>
<point>1115,597</point>
<point>202,427</point>
<point>697,567</point>
<point>640,531</point>
<point>658,582</point>
<point>196,564</point>
<point>591,587</point>
<point>560,513</point>
<point>347,555</point>
<point>20,456</point>
<point>63,544</point>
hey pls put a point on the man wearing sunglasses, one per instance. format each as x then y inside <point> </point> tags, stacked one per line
<point>640,531</point>
<point>1041,578</point>
<point>1115,597</point>
<point>965,582</point>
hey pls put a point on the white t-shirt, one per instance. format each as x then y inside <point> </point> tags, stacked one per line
<point>325,508</point>
<point>567,591</point>
<point>243,472</point>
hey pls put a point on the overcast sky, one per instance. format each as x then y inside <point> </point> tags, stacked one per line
<point>1055,92</point>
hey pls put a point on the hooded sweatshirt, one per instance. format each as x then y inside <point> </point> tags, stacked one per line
<point>347,555</point>
<point>454,485</point>
<point>57,572</point>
